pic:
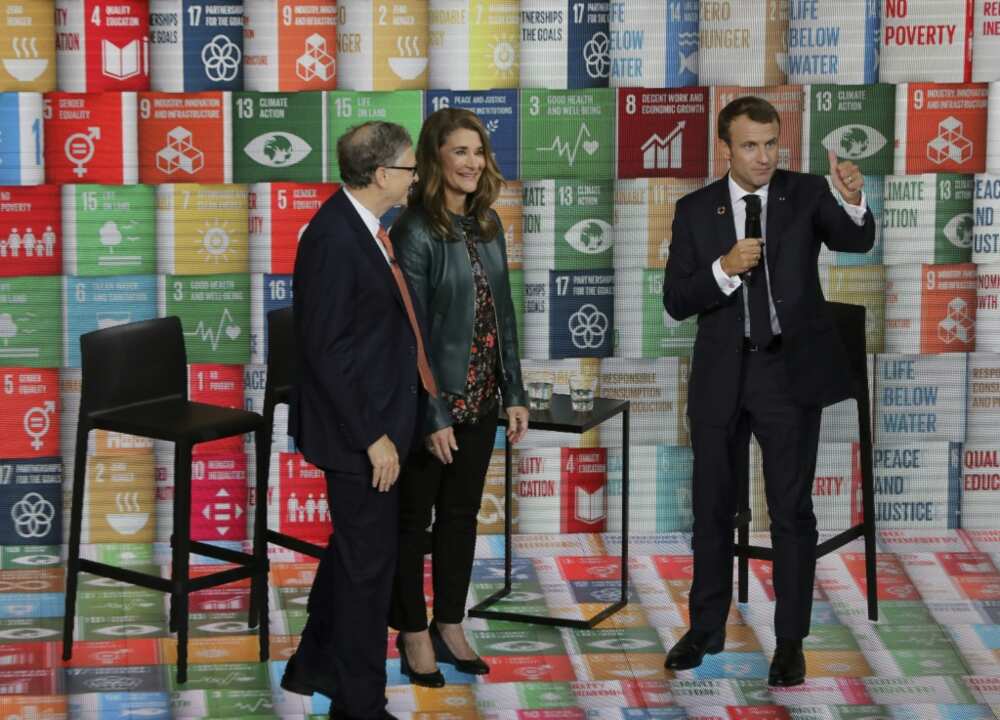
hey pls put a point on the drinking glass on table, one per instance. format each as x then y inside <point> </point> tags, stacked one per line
<point>582,391</point>
<point>539,384</point>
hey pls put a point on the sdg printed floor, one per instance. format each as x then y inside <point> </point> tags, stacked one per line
<point>934,654</point>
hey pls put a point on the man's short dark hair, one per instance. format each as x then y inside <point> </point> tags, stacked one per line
<point>757,109</point>
<point>368,146</point>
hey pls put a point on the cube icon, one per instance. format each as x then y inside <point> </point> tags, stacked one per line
<point>958,324</point>
<point>958,309</point>
<point>950,143</point>
<point>316,62</point>
<point>180,153</point>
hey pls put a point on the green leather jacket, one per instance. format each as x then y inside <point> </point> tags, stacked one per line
<point>440,274</point>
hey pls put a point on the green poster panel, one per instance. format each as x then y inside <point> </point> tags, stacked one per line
<point>567,134</point>
<point>953,218</point>
<point>29,557</point>
<point>215,313</point>
<point>348,108</point>
<point>120,601</point>
<point>538,641</point>
<point>279,137</point>
<point>831,637</point>
<point>120,627</point>
<point>632,640</point>
<point>31,322</point>
<point>858,122</point>
<point>224,676</point>
<point>109,229</point>
<point>584,213</point>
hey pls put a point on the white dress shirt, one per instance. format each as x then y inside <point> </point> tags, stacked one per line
<point>729,284</point>
<point>371,222</point>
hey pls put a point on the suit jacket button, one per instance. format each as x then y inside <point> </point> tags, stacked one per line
<point>413,350</point>
<point>413,389</point>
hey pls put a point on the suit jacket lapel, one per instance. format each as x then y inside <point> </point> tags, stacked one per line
<point>777,216</point>
<point>370,249</point>
<point>722,213</point>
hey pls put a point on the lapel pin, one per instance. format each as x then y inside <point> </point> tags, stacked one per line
<point>721,210</point>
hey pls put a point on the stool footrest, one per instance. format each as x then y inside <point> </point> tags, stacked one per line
<point>294,543</point>
<point>839,540</point>
<point>153,582</point>
<point>220,553</point>
<point>221,578</point>
<point>754,552</point>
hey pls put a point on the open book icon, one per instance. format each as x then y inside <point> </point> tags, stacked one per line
<point>590,506</point>
<point>123,62</point>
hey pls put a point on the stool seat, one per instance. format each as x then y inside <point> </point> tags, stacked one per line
<point>133,380</point>
<point>177,420</point>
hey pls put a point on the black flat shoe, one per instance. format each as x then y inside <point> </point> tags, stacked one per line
<point>476,666</point>
<point>300,683</point>
<point>692,648</point>
<point>430,680</point>
<point>788,667</point>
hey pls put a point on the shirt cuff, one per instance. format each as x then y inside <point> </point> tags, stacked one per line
<point>855,212</point>
<point>726,284</point>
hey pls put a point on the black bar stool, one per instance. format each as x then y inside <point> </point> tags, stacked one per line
<point>849,321</point>
<point>277,391</point>
<point>134,381</point>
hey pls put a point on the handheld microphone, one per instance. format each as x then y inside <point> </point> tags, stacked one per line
<point>753,230</point>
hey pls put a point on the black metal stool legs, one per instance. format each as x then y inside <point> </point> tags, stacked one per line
<point>75,534</point>
<point>181,554</point>
<point>259,581</point>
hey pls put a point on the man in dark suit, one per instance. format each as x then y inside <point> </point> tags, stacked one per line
<point>362,372</point>
<point>766,361</point>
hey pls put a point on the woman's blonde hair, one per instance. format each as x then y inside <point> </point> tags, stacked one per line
<point>429,189</point>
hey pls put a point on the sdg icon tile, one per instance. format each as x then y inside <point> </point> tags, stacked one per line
<point>30,229</point>
<point>196,45</point>
<point>567,134</point>
<point>109,229</point>
<point>31,322</point>
<point>215,313</point>
<point>279,137</point>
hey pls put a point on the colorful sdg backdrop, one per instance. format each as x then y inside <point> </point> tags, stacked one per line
<point>163,157</point>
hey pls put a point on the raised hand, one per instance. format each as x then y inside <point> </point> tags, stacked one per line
<point>847,178</point>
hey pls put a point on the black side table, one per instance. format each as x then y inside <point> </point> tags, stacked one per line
<point>560,417</point>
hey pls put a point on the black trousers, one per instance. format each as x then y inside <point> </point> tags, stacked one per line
<point>455,493</point>
<point>788,434</point>
<point>345,637</point>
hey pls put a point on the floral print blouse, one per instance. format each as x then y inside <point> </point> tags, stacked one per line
<point>481,387</point>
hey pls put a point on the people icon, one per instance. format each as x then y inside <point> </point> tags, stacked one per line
<point>49,240</point>
<point>14,242</point>
<point>293,508</point>
<point>29,243</point>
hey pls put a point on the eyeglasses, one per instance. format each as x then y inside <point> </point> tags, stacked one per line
<point>409,168</point>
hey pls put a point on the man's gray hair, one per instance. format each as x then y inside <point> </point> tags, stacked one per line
<point>367,146</point>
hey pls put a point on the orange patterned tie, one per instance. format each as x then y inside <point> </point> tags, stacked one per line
<point>426,376</point>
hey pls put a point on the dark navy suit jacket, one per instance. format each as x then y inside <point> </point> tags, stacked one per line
<point>355,347</point>
<point>802,214</point>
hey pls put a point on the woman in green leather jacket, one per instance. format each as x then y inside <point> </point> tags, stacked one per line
<point>451,247</point>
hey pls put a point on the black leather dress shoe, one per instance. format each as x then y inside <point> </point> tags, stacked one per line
<point>788,667</point>
<point>691,648</point>
<point>431,679</point>
<point>300,682</point>
<point>475,666</point>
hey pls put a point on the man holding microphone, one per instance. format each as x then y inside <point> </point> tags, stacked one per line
<point>767,359</point>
